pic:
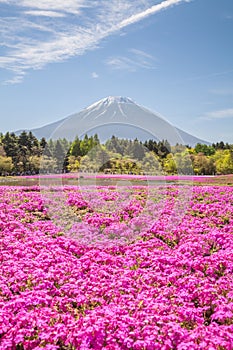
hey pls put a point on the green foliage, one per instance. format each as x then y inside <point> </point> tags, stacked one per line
<point>151,164</point>
<point>75,150</point>
<point>59,155</point>
<point>96,159</point>
<point>73,163</point>
<point>25,154</point>
<point>115,145</point>
<point>224,161</point>
<point>170,165</point>
<point>6,165</point>
<point>48,164</point>
<point>11,147</point>
<point>205,149</point>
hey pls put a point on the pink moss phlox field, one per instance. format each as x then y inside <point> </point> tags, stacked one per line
<point>166,289</point>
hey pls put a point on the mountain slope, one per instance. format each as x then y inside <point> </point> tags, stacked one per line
<point>119,116</point>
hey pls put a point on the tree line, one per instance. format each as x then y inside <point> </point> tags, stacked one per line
<point>24,154</point>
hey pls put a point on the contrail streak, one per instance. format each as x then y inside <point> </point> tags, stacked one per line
<point>152,10</point>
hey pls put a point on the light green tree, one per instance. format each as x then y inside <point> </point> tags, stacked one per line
<point>6,165</point>
<point>224,161</point>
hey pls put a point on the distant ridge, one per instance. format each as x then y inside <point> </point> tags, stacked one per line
<point>119,116</point>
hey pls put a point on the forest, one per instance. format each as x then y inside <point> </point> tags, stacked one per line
<point>24,154</point>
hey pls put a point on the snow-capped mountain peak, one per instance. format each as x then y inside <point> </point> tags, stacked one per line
<point>119,116</point>
<point>117,99</point>
<point>107,101</point>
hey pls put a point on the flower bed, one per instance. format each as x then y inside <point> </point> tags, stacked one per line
<point>167,287</point>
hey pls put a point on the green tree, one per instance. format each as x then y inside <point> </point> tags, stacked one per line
<point>96,160</point>
<point>170,165</point>
<point>203,165</point>
<point>224,161</point>
<point>205,149</point>
<point>43,144</point>
<point>73,163</point>
<point>138,150</point>
<point>150,164</point>
<point>49,148</point>
<point>11,147</point>
<point>2,152</point>
<point>47,165</point>
<point>85,145</point>
<point>164,149</point>
<point>6,165</point>
<point>59,155</point>
<point>34,164</point>
<point>113,145</point>
<point>75,149</point>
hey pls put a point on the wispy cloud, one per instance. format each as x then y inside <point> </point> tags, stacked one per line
<point>44,13</point>
<point>18,78</point>
<point>135,59</point>
<point>121,63</point>
<point>218,114</point>
<point>47,31</point>
<point>69,6</point>
<point>141,53</point>
<point>94,75</point>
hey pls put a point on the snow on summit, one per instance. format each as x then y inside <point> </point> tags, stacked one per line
<point>119,116</point>
<point>109,100</point>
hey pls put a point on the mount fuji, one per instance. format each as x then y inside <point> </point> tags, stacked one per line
<point>118,116</point>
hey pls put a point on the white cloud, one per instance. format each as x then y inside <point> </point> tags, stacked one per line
<point>94,75</point>
<point>135,59</point>
<point>141,53</point>
<point>219,114</point>
<point>121,63</point>
<point>62,29</point>
<point>15,80</point>
<point>44,13</point>
<point>70,6</point>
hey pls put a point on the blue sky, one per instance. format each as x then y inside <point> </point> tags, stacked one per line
<point>174,57</point>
